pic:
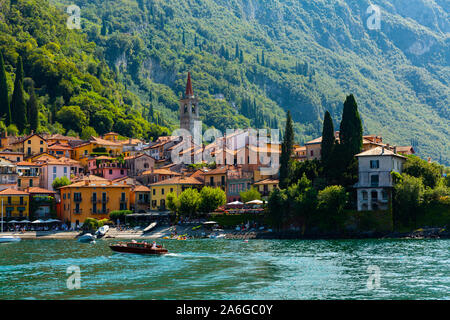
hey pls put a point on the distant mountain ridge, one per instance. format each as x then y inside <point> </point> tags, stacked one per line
<point>315,53</point>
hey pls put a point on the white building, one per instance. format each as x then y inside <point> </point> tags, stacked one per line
<point>374,187</point>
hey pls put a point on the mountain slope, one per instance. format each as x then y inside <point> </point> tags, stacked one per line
<point>305,56</point>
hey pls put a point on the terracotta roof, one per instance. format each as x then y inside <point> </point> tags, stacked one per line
<point>127,141</point>
<point>141,189</point>
<point>38,190</point>
<point>59,146</point>
<point>63,161</point>
<point>405,149</point>
<point>111,134</point>
<point>28,164</point>
<point>8,151</point>
<point>267,181</point>
<point>379,151</point>
<point>91,177</point>
<point>58,136</point>
<point>178,180</point>
<point>97,184</point>
<point>13,192</point>
<point>25,138</point>
<point>104,142</point>
<point>161,171</point>
<point>219,170</point>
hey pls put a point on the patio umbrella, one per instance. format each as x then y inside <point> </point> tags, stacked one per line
<point>255,202</point>
<point>37,221</point>
<point>13,221</point>
<point>25,221</point>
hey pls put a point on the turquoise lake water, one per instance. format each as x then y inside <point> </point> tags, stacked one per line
<point>230,269</point>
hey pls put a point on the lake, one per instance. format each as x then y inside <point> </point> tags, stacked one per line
<point>229,269</point>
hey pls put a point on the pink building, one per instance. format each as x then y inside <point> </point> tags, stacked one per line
<point>107,167</point>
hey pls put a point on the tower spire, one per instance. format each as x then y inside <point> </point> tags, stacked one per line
<point>189,91</point>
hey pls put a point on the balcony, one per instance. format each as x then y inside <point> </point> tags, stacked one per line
<point>99,200</point>
<point>16,203</point>
<point>123,200</point>
<point>77,199</point>
<point>100,211</point>
<point>77,211</point>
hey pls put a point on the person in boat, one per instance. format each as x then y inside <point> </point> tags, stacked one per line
<point>154,245</point>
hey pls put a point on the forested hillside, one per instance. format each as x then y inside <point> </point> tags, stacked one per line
<point>75,89</point>
<point>252,59</point>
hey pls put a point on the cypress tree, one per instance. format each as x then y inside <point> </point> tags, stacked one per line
<point>241,57</point>
<point>18,105</point>
<point>286,152</point>
<point>184,39</point>
<point>350,144</point>
<point>263,60</point>
<point>5,111</point>
<point>327,141</point>
<point>32,107</point>
<point>236,53</point>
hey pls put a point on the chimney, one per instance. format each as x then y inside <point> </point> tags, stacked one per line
<point>86,182</point>
<point>395,149</point>
<point>382,150</point>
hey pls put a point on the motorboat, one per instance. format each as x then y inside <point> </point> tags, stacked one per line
<point>87,237</point>
<point>150,227</point>
<point>138,247</point>
<point>101,231</point>
<point>5,239</point>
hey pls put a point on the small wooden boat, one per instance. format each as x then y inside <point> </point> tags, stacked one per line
<point>138,247</point>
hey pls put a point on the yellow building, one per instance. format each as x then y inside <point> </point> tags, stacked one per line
<point>15,204</point>
<point>96,146</point>
<point>216,177</point>
<point>160,190</point>
<point>111,136</point>
<point>93,199</point>
<point>30,145</point>
<point>29,174</point>
<point>266,186</point>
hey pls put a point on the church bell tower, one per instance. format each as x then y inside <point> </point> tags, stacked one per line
<point>189,108</point>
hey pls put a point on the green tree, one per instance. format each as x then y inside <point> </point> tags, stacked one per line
<point>276,208</point>
<point>72,117</point>
<point>350,142</point>
<point>5,111</point>
<point>408,196</point>
<point>211,199</point>
<point>87,133</point>
<point>419,168</point>
<point>18,104</point>
<point>33,112</point>
<point>60,182</point>
<point>12,130</point>
<point>250,194</point>
<point>102,121</point>
<point>303,199</point>
<point>331,202</point>
<point>189,202</point>
<point>172,202</point>
<point>286,152</point>
<point>328,141</point>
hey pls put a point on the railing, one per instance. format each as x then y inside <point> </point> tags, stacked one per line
<point>123,200</point>
<point>99,200</point>
<point>101,211</point>
<point>384,179</point>
<point>77,199</point>
<point>16,203</point>
<point>77,211</point>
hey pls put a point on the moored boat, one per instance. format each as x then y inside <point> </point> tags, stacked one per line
<point>4,239</point>
<point>138,247</point>
<point>102,231</point>
<point>87,237</point>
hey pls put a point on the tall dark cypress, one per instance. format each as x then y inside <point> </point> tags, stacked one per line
<point>286,152</point>
<point>5,111</point>
<point>18,105</point>
<point>351,130</point>
<point>327,138</point>
<point>33,113</point>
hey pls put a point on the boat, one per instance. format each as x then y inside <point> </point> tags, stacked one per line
<point>101,231</point>
<point>87,237</point>
<point>138,247</point>
<point>6,239</point>
<point>150,227</point>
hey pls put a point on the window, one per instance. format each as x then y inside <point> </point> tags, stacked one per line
<point>162,191</point>
<point>211,181</point>
<point>29,141</point>
<point>42,142</point>
<point>374,180</point>
<point>18,159</point>
<point>223,180</point>
<point>312,153</point>
<point>19,183</point>
<point>364,195</point>
<point>171,189</point>
<point>110,171</point>
<point>54,169</point>
<point>121,171</point>
<point>374,164</point>
<point>41,150</point>
<point>31,182</point>
<point>123,196</point>
<point>374,195</point>
<point>65,170</point>
<point>154,191</point>
<point>21,200</point>
<point>29,150</point>
<point>9,200</point>
<point>384,194</point>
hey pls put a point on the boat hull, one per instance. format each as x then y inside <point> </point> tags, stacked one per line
<point>125,249</point>
<point>9,239</point>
